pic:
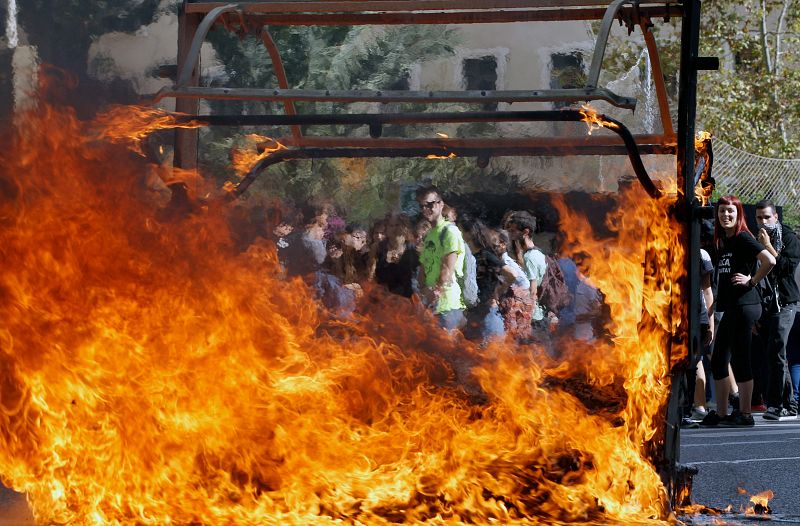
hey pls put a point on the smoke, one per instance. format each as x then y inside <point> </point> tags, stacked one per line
<point>11,25</point>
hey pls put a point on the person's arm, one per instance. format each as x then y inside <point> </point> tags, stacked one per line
<point>448,270</point>
<point>767,262</point>
<point>708,296</point>
<point>789,257</point>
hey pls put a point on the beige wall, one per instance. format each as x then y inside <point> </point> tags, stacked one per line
<point>135,56</point>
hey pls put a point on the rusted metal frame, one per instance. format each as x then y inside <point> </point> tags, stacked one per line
<point>588,93</point>
<point>327,6</point>
<point>449,17</point>
<point>186,140</point>
<point>417,97</point>
<point>658,76</point>
<point>280,73</point>
<point>369,119</point>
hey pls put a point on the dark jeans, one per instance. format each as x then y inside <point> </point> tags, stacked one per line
<point>733,342</point>
<point>776,333</point>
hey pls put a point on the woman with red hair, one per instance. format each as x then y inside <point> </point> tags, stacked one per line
<point>741,263</point>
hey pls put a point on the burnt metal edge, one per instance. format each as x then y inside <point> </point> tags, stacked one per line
<point>372,119</point>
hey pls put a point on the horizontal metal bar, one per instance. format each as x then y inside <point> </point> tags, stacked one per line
<point>328,6</point>
<point>535,146</point>
<point>359,119</point>
<point>447,17</point>
<point>423,97</point>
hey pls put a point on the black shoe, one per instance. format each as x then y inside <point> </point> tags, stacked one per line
<point>712,419</point>
<point>737,419</point>
<point>778,413</point>
<point>687,423</point>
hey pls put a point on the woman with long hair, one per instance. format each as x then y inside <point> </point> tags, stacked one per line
<point>741,263</point>
<point>394,260</point>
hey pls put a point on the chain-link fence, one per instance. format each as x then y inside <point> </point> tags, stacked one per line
<point>752,178</point>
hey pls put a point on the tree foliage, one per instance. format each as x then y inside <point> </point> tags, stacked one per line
<point>752,101</point>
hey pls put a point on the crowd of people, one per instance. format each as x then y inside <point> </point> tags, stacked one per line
<point>749,287</point>
<point>488,281</point>
<point>493,281</point>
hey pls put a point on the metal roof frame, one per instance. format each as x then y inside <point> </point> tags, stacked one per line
<point>197,17</point>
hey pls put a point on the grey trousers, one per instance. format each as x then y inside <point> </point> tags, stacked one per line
<point>779,387</point>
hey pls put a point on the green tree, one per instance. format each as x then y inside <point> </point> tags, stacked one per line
<point>752,101</point>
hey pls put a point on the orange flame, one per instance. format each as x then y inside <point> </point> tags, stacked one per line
<point>594,121</point>
<point>258,147</point>
<point>704,189</point>
<point>132,124</point>
<point>760,503</point>
<point>450,156</point>
<point>152,375</point>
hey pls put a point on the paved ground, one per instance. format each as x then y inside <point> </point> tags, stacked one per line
<point>756,459</point>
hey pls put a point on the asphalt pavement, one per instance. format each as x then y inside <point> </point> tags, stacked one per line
<point>764,457</point>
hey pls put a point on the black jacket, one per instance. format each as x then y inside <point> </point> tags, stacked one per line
<point>783,272</point>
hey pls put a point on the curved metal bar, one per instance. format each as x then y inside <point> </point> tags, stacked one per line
<point>193,55</point>
<point>280,73</point>
<point>565,115</point>
<point>602,40</point>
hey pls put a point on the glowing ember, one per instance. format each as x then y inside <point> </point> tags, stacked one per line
<point>152,375</point>
<point>450,156</point>
<point>593,119</point>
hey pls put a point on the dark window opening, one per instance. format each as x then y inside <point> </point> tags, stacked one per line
<point>481,74</point>
<point>566,73</point>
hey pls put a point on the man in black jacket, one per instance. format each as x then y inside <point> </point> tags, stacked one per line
<point>779,299</point>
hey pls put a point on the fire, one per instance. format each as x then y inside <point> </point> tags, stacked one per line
<point>443,135</point>
<point>258,147</point>
<point>704,188</point>
<point>152,375</point>
<point>760,503</point>
<point>132,124</point>
<point>593,119</point>
<point>449,156</point>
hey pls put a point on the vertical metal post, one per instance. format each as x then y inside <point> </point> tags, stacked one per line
<point>186,139</point>
<point>687,293</point>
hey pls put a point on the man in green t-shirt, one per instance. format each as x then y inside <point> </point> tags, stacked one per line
<point>441,261</point>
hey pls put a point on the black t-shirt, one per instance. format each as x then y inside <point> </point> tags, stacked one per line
<point>398,276</point>
<point>737,255</point>
<point>488,267</point>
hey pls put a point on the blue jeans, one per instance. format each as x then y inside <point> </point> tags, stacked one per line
<point>452,319</point>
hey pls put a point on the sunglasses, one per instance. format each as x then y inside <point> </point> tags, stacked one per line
<point>429,204</point>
